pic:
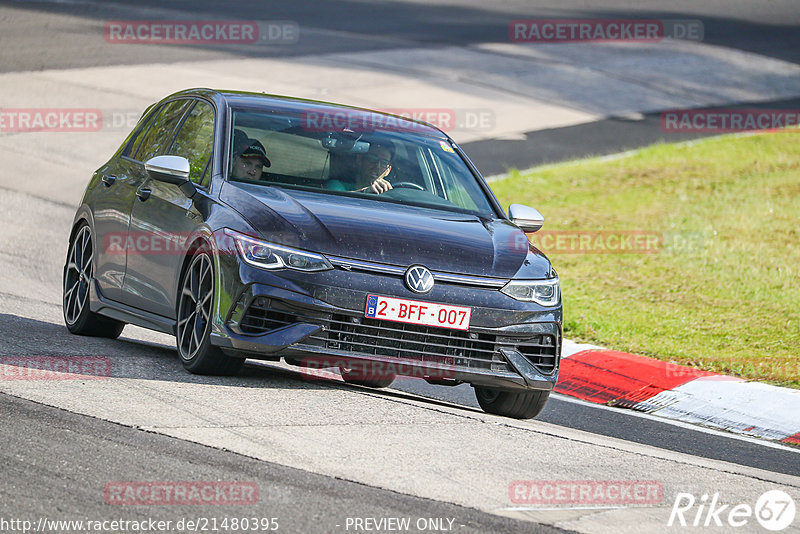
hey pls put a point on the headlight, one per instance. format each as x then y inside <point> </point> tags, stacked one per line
<point>270,256</point>
<point>544,292</point>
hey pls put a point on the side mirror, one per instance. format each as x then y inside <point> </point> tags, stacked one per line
<point>527,218</point>
<point>172,170</point>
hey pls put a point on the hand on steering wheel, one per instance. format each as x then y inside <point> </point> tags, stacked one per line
<point>410,185</point>
<point>379,185</point>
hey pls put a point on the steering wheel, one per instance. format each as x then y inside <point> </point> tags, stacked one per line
<point>410,185</point>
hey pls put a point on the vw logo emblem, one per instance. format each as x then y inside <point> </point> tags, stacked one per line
<point>419,279</point>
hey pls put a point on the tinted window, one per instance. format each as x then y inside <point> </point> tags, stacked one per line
<point>195,142</point>
<point>335,158</point>
<point>137,139</point>
<point>156,139</point>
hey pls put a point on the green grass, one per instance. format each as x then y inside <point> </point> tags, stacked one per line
<point>723,293</point>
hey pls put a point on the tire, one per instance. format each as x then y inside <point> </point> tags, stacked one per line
<point>193,328</point>
<point>522,405</point>
<point>365,378</point>
<point>78,272</point>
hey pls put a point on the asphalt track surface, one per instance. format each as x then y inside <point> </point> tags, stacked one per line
<point>55,460</point>
<point>623,424</point>
<point>56,465</point>
<point>42,39</point>
<point>768,29</point>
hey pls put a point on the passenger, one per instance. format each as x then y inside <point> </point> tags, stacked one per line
<point>371,170</point>
<point>250,157</point>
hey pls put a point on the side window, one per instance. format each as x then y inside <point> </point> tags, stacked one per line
<point>134,143</point>
<point>160,132</point>
<point>195,142</point>
<point>454,188</point>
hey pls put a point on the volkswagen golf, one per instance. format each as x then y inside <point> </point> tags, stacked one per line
<point>265,227</point>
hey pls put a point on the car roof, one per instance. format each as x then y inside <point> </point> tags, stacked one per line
<point>324,110</point>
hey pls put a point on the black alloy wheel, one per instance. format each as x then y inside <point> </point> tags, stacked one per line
<point>193,329</point>
<point>78,273</point>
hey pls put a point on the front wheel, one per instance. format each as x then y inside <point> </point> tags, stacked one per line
<point>193,331</point>
<point>519,405</point>
<point>78,274</point>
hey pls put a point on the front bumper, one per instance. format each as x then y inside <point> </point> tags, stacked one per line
<point>498,351</point>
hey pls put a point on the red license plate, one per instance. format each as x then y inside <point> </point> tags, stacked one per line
<point>418,312</point>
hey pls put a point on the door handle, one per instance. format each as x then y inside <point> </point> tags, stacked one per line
<point>109,179</point>
<point>143,193</point>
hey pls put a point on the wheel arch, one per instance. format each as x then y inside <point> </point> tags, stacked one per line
<point>196,241</point>
<point>84,215</point>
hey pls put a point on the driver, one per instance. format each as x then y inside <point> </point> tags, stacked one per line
<point>371,170</point>
<point>250,158</point>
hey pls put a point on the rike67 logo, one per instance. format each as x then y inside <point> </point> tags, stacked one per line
<point>774,510</point>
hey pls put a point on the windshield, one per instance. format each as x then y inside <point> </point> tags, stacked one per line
<point>281,150</point>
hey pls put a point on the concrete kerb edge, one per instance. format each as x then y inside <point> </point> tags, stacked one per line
<point>698,398</point>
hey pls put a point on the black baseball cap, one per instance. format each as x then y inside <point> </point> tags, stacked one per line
<point>248,148</point>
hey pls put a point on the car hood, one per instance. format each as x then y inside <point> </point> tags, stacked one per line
<point>388,233</point>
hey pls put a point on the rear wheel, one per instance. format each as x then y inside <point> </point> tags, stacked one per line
<point>369,379</point>
<point>193,331</point>
<point>78,274</point>
<point>519,405</point>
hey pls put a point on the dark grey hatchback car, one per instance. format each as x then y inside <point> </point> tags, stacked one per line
<point>258,226</point>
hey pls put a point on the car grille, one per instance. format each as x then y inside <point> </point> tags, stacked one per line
<point>260,320</point>
<point>429,344</point>
<point>541,350</point>
<point>413,342</point>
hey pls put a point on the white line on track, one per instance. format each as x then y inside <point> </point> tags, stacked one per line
<point>680,424</point>
<point>557,508</point>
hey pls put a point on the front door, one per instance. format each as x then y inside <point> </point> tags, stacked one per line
<point>113,202</point>
<point>163,217</point>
